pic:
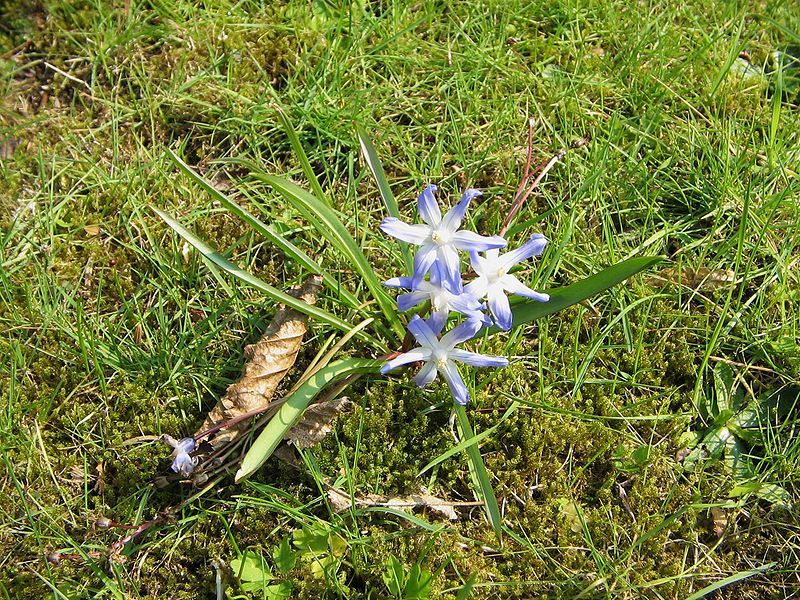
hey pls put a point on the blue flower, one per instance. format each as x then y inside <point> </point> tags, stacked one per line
<point>181,461</point>
<point>440,356</point>
<point>493,280</point>
<point>443,297</point>
<point>439,237</point>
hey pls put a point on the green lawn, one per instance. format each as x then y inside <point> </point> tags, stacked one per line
<point>655,449</point>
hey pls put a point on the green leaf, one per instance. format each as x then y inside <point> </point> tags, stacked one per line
<point>285,245</point>
<point>376,168</point>
<point>329,225</point>
<point>292,409</point>
<point>294,140</point>
<point>560,298</point>
<point>223,263</point>
<point>280,591</point>
<point>394,577</point>
<point>251,567</point>
<point>476,461</point>
<point>284,557</point>
<point>418,584</point>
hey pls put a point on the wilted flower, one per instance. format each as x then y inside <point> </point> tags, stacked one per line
<point>494,281</point>
<point>181,461</point>
<point>440,238</point>
<point>440,355</point>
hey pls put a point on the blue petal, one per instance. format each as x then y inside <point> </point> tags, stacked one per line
<point>452,220</point>
<point>477,360</point>
<point>472,242</point>
<point>465,331</point>
<point>426,374</point>
<point>533,247</point>
<point>422,332</point>
<point>413,234</point>
<point>515,286</point>
<point>449,267</point>
<point>457,387</point>
<point>428,207</point>
<point>415,355</point>
<point>406,301</point>
<point>185,445</point>
<point>423,260</point>
<point>437,320</point>
<point>398,282</point>
<point>184,464</point>
<point>499,307</point>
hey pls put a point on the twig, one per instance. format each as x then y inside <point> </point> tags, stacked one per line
<point>543,170</point>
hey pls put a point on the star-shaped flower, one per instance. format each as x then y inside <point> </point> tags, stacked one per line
<point>440,356</point>
<point>181,461</point>
<point>439,237</point>
<point>494,281</point>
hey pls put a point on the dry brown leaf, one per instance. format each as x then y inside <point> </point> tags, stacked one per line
<point>719,516</point>
<point>268,362</point>
<point>698,279</point>
<point>316,422</point>
<point>340,501</point>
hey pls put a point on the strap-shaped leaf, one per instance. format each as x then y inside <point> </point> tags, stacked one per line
<point>292,409</point>
<point>327,223</point>
<point>560,298</point>
<point>294,140</point>
<point>376,168</point>
<point>481,475</point>
<point>274,293</point>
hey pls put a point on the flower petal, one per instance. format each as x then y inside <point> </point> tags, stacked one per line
<point>465,331</point>
<point>428,207</point>
<point>515,286</point>
<point>423,260</point>
<point>477,360</point>
<point>414,355</point>
<point>410,300</point>
<point>457,386</point>
<point>533,247</point>
<point>438,320</point>
<point>499,307</point>
<point>398,282</point>
<point>422,332</point>
<point>413,234</point>
<point>426,374</point>
<point>452,220</point>
<point>449,267</point>
<point>477,288</point>
<point>473,242</point>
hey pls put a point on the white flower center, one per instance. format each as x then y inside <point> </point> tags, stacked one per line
<point>440,237</point>
<point>440,358</point>
<point>439,302</point>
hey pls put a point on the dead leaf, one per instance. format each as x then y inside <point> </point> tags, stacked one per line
<point>719,517</point>
<point>316,422</point>
<point>92,230</point>
<point>702,279</point>
<point>341,501</point>
<point>7,147</point>
<point>268,362</point>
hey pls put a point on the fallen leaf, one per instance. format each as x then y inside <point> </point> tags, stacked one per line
<point>697,279</point>
<point>268,362</point>
<point>719,517</point>
<point>92,230</point>
<point>341,501</point>
<point>316,422</point>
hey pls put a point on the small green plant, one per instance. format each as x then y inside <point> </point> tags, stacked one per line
<point>413,584</point>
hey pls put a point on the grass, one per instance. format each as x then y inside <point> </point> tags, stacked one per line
<point>111,330</point>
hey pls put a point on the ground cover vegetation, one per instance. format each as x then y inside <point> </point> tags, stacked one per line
<point>640,444</point>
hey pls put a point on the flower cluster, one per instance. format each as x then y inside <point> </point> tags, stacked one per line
<point>440,239</point>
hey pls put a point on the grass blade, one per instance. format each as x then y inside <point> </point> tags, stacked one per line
<point>472,441</point>
<point>327,222</point>
<point>476,461</point>
<point>560,298</point>
<point>376,168</point>
<point>294,140</point>
<point>288,248</point>
<point>290,411</point>
<point>274,293</point>
<point>709,589</point>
